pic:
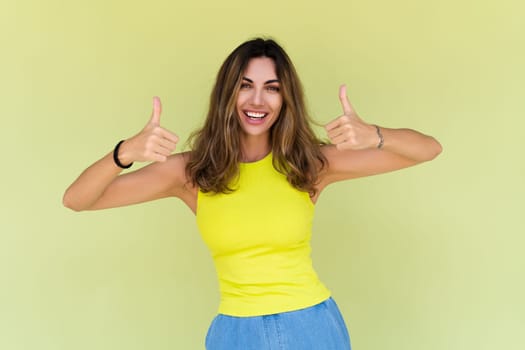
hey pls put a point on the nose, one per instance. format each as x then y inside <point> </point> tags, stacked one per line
<point>257,97</point>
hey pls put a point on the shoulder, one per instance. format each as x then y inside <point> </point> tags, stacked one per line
<point>343,164</point>
<point>328,150</point>
<point>173,172</point>
<point>183,186</point>
<point>179,162</point>
<point>170,179</point>
<point>174,164</point>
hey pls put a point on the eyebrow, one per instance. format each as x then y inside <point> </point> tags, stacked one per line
<point>266,82</point>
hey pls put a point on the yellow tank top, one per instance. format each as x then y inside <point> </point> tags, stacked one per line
<point>259,238</point>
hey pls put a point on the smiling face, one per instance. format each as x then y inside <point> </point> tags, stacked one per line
<point>259,99</point>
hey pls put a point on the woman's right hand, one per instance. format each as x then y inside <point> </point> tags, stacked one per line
<point>100,185</point>
<point>152,144</point>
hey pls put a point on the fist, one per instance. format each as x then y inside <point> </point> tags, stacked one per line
<point>153,143</point>
<point>348,131</point>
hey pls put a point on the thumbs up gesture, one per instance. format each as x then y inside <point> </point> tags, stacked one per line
<point>153,143</point>
<point>348,131</point>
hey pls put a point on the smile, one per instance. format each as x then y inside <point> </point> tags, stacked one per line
<point>255,115</point>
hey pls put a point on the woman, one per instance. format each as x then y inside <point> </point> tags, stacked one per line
<point>256,170</point>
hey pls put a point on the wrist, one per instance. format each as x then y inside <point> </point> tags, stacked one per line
<point>120,156</point>
<point>380,139</point>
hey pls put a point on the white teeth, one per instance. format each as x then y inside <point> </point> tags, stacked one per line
<point>255,115</point>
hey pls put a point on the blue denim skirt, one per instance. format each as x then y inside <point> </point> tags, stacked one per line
<point>319,327</point>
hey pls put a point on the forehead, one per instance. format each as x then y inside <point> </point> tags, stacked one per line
<point>260,69</point>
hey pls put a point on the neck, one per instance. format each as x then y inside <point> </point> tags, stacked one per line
<point>254,148</point>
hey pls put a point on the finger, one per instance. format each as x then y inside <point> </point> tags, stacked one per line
<point>347,107</point>
<point>169,135</point>
<point>342,138</point>
<point>157,152</point>
<point>335,132</point>
<point>337,123</point>
<point>333,124</point>
<point>167,144</point>
<point>158,157</point>
<point>160,150</point>
<point>157,109</point>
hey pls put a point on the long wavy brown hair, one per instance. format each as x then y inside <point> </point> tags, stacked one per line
<point>216,147</point>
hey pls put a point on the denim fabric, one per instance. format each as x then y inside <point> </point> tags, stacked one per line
<point>319,327</point>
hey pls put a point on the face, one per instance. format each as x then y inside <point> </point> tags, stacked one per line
<point>259,99</point>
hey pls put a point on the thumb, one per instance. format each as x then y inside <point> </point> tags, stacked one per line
<point>157,109</point>
<point>347,107</point>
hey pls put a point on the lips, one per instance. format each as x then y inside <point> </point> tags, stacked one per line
<point>255,115</point>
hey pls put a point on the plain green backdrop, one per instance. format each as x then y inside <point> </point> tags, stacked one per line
<point>429,257</point>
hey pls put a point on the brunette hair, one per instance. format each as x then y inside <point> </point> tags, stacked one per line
<point>216,152</point>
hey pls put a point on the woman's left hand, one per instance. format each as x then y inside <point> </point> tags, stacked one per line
<point>349,131</point>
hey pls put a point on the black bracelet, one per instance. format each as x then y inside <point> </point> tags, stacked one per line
<point>115,157</point>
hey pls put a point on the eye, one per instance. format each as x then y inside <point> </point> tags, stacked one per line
<point>273,88</point>
<point>245,86</point>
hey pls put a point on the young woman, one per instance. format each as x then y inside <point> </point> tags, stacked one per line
<point>252,177</point>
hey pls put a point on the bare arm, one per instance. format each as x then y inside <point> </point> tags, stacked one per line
<point>354,151</point>
<point>100,185</point>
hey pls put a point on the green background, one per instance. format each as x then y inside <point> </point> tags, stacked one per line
<point>425,258</point>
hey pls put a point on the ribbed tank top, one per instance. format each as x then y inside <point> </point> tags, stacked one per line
<point>259,239</point>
